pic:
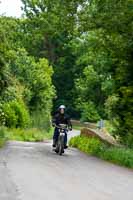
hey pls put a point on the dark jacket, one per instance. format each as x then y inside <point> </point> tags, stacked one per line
<point>61,119</point>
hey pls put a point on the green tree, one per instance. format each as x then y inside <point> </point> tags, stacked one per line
<point>90,99</point>
<point>49,29</point>
<point>109,29</point>
<point>26,84</point>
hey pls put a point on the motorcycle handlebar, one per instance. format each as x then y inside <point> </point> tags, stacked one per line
<point>67,129</point>
<point>61,127</point>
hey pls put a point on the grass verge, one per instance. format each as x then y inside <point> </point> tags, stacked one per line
<point>29,135</point>
<point>118,155</point>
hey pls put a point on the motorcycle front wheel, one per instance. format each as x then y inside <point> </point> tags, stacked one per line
<point>61,145</point>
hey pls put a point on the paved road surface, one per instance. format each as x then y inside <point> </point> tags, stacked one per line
<point>31,171</point>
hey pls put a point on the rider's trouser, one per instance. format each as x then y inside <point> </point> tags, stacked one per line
<point>56,134</point>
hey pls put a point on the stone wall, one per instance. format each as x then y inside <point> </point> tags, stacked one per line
<point>104,137</point>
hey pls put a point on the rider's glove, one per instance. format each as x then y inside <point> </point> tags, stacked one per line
<point>53,124</point>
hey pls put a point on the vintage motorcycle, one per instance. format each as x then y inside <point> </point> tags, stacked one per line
<point>62,128</point>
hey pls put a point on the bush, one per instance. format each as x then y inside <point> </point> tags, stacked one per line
<point>10,116</point>
<point>119,108</point>
<point>94,146</point>
<point>128,140</point>
<point>91,146</point>
<point>3,136</point>
<point>16,114</point>
<point>2,116</point>
<point>89,112</point>
<point>41,120</point>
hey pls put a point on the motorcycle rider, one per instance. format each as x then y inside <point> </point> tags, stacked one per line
<point>61,118</point>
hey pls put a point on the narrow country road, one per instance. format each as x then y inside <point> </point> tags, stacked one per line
<point>31,171</point>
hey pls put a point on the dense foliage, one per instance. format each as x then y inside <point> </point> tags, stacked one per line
<point>108,44</point>
<point>49,30</point>
<point>89,44</point>
<point>26,84</point>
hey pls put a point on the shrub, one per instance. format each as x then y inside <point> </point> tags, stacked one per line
<point>128,140</point>
<point>16,114</point>
<point>89,112</point>
<point>10,116</point>
<point>2,117</point>
<point>119,108</point>
<point>41,120</point>
<point>91,146</point>
<point>75,141</point>
<point>22,112</point>
<point>3,136</point>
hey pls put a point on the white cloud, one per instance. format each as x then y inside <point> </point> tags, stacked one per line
<point>11,8</point>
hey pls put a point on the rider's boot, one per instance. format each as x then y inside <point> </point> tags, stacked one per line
<point>65,146</point>
<point>54,143</point>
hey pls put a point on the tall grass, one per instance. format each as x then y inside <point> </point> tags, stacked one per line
<point>29,135</point>
<point>39,130</point>
<point>41,120</point>
<point>3,136</point>
<point>118,155</point>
